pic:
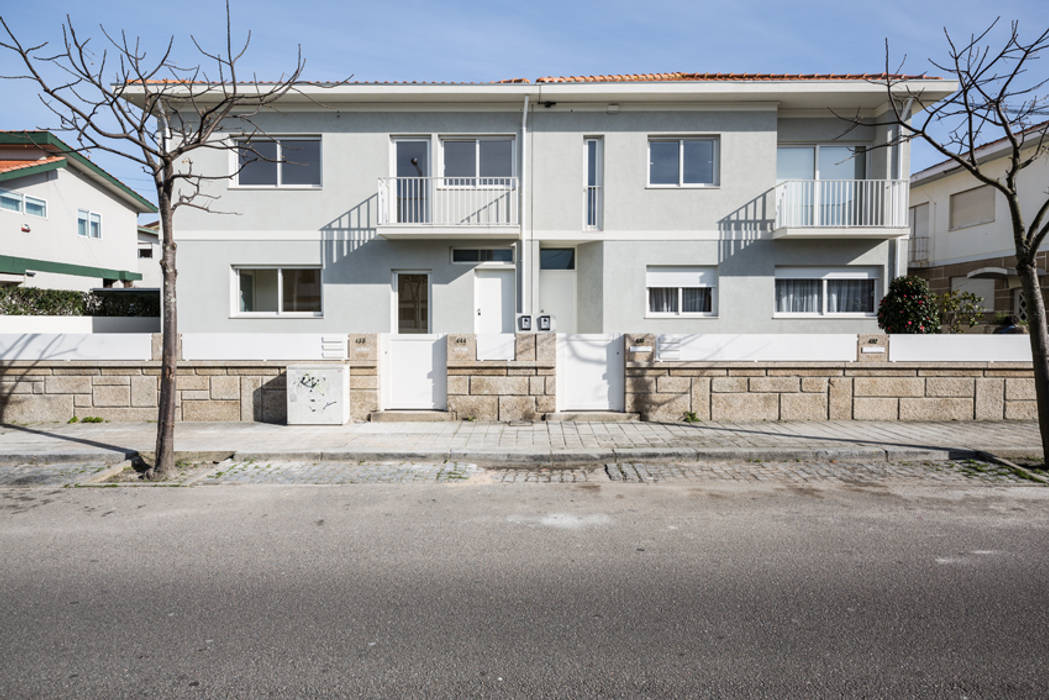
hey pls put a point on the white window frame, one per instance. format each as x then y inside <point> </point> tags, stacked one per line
<point>87,234</point>
<point>866,272</point>
<point>234,162</point>
<point>680,295</point>
<point>22,198</point>
<point>234,289</point>
<point>865,145</point>
<point>681,138</point>
<point>441,139</point>
<point>950,208</point>
<point>395,301</point>
<point>486,263</point>
<point>599,213</point>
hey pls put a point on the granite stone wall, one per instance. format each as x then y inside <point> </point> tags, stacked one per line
<point>522,389</point>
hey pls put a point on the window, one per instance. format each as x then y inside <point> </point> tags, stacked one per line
<point>478,161</point>
<point>278,290</point>
<point>918,252</point>
<point>682,162</point>
<point>816,162</point>
<point>413,302</point>
<point>972,207</point>
<point>23,203</point>
<point>284,162</point>
<point>680,291</point>
<point>557,259</point>
<point>822,292</point>
<point>145,252</point>
<point>480,255</point>
<point>88,224</point>
<point>594,177</point>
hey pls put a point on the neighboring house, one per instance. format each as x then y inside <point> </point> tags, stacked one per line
<point>65,223</point>
<point>677,203</point>
<point>149,256</point>
<point>961,231</point>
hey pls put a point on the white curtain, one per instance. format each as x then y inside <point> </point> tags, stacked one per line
<point>662,300</point>
<point>850,296</point>
<point>798,296</point>
<point>696,300</point>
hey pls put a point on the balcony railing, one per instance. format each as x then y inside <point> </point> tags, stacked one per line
<point>448,201</point>
<point>842,204</point>
<point>918,253</point>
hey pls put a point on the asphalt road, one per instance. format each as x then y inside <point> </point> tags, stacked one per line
<point>525,590</point>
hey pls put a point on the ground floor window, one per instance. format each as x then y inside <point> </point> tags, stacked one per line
<point>278,290</point>
<point>557,259</point>
<point>413,302</point>
<point>680,291</point>
<point>827,291</point>
<point>480,255</point>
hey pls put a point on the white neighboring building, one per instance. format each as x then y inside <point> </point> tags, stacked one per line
<point>149,256</point>
<point>65,223</point>
<point>961,232</point>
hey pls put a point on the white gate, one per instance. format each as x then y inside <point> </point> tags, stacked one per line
<point>413,372</point>
<point>590,372</point>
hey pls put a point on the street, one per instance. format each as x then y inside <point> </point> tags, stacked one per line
<point>688,588</point>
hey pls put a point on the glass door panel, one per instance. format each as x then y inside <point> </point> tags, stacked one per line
<point>413,183</point>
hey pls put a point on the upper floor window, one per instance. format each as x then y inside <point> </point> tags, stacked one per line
<point>281,162</point>
<point>478,161</point>
<point>681,291</point>
<point>88,224</point>
<point>23,203</point>
<point>827,291</point>
<point>972,207</point>
<point>682,161</point>
<point>821,162</point>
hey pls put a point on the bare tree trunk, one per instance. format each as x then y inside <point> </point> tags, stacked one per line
<point>164,466</point>
<point>1036,322</point>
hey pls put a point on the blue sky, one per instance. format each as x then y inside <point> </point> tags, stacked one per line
<point>413,40</point>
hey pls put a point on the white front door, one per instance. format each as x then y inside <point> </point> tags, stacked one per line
<point>590,373</point>
<point>493,301</point>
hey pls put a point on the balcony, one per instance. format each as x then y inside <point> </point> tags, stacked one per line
<point>841,209</point>
<point>463,207</point>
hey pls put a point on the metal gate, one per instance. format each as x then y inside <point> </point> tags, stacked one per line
<point>590,372</point>
<point>413,372</point>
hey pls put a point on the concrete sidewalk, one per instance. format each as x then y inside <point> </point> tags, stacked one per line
<point>539,443</point>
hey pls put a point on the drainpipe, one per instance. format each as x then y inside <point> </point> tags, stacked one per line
<point>526,252</point>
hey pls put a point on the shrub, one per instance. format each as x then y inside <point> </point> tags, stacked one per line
<point>909,307</point>
<point>959,310</point>
<point>31,301</point>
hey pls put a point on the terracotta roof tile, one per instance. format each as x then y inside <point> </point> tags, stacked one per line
<point>701,77</point>
<point>7,166</point>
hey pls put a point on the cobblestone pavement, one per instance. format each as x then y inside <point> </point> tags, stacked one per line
<point>252,472</point>
<point>48,475</point>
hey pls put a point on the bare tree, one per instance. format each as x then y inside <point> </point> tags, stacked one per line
<point>115,98</point>
<point>997,98</point>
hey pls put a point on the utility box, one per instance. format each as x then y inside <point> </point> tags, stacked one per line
<point>318,394</point>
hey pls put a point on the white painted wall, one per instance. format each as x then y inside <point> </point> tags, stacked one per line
<point>757,347</point>
<point>959,348</point>
<point>75,346</point>
<point>79,324</point>
<point>263,346</point>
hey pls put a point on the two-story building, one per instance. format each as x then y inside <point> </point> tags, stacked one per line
<point>660,203</point>
<point>961,230</point>
<point>65,223</point>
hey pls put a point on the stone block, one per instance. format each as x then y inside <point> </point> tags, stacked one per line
<point>456,385</point>
<point>75,371</point>
<point>697,372</point>
<point>520,372</point>
<point>274,405</point>
<point>546,349</point>
<point>643,340</point>
<point>990,398</point>
<point>872,340</point>
<point>143,391</point>
<point>1019,389</point>
<point>120,371</point>
<point>192,382</point>
<point>364,381</point>
<point>362,347</point>
<point>254,371</point>
<point>12,373</point>
<point>840,397</point>
<point>875,408</point>
<point>251,399</point>
<point>482,408</point>
<point>517,408</point>
<point>701,397</point>
<point>476,372</point>
<point>546,404</point>
<point>537,386</point>
<point>669,408</point>
<point>936,409</point>
<point>1021,410</point>
<point>225,387</point>
<point>67,385</point>
<point>805,372</point>
<point>803,406</point>
<point>363,403</point>
<point>81,400</point>
<point>111,396</point>
<point>728,384</point>
<point>744,407</point>
<point>119,415</point>
<point>112,380</point>
<point>746,372</point>
<point>879,372</point>
<point>814,384</point>
<point>524,347</point>
<point>195,395</point>
<point>461,348</point>
<point>210,371</point>
<point>499,386</point>
<point>642,385</point>
<point>37,408</point>
<point>774,384</point>
<point>22,387</point>
<point>949,387</point>
<point>211,410</point>
<point>673,385</point>
<point>551,385</point>
<point>889,386</point>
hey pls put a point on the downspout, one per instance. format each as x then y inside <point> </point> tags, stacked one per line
<point>526,252</point>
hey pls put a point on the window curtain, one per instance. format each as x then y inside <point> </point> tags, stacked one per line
<point>662,300</point>
<point>696,300</point>
<point>798,296</point>
<point>850,296</point>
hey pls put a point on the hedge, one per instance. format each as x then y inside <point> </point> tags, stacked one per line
<point>30,301</point>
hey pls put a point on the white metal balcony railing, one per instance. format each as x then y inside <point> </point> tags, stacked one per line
<point>593,207</point>
<point>842,203</point>
<point>918,252</point>
<point>449,201</point>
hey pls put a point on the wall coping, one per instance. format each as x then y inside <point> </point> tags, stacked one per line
<point>867,365</point>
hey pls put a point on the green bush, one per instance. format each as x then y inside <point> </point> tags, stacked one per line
<point>959,310</point>
<point>909,307</point>
<point>31,301</point>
